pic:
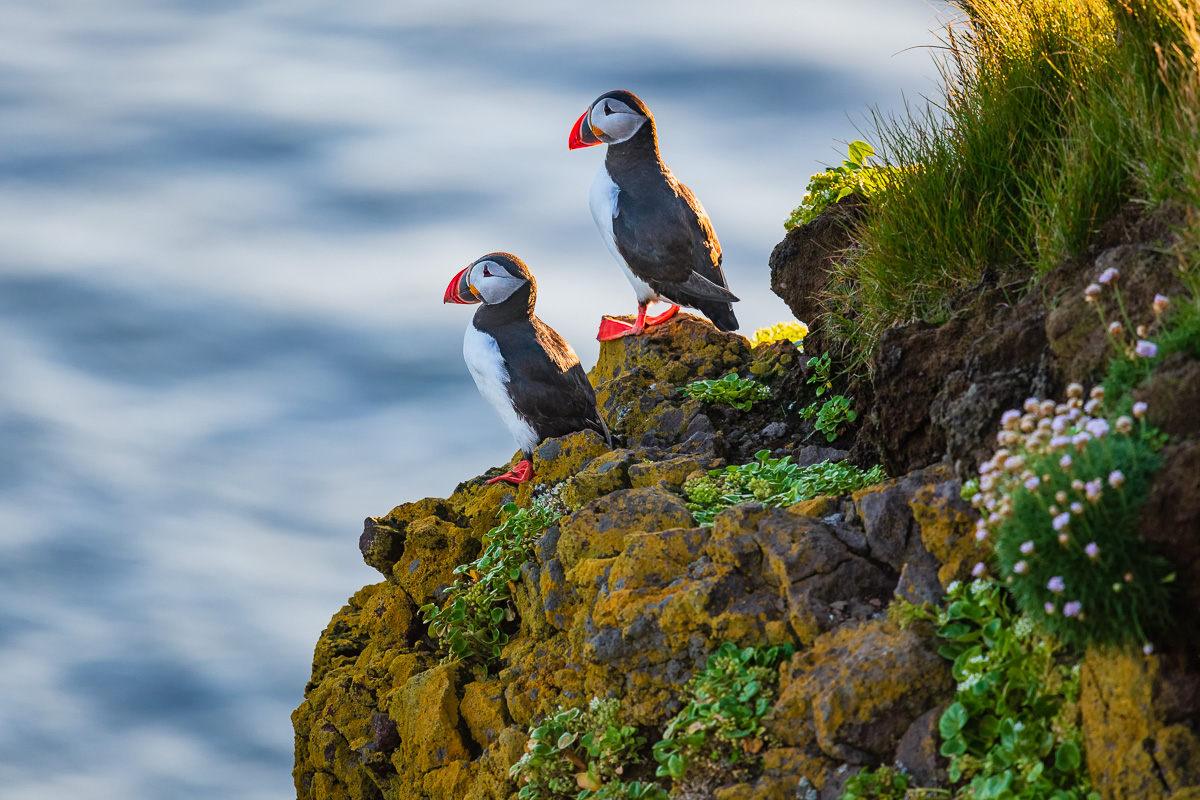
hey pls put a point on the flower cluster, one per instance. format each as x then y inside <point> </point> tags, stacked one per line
<point>1059,501</point>
<point>793,332</point>
<point>1135,349</point>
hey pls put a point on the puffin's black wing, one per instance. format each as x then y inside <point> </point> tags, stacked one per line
<point>549,387</point>
<point>667,240</point>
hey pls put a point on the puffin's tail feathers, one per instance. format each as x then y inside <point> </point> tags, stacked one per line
<point>721,315</point>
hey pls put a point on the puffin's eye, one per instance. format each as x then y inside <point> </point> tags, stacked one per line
<point>486,274</point>
<point>607,108</point>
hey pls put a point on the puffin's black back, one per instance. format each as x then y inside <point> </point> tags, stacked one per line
<point>661,230</point>
<point>547,384</point>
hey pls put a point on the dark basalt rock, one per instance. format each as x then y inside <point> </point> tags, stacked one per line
<point>801,263</point>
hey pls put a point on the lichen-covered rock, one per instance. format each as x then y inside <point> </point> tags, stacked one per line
<point>605,474</point>
<point>598,530</point>
<point>425,711</point>
<point>858,690</point>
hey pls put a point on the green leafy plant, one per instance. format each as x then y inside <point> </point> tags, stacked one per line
<point>720,730</point>
<point>884,783</point>
<point>1013,727</point>
<point>730,390</point>
<point>583,753</point>
<point>773,482</point>
<point>1061,499</point>
<point>854,176</point>
<point>821,366</point>
<point>469,625</point>
<point>832,416</point>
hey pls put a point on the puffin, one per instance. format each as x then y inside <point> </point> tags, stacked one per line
<point>653,225</point>
<point>522,367</point>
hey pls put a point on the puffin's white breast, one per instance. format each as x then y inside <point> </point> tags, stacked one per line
<point>603,201</point>
<point>487,367</point>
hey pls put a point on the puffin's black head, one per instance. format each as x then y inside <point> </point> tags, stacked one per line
<point>614,118</point>
<point>492,280</point>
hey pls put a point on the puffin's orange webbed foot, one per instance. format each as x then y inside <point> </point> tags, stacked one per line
<point>519,474</point>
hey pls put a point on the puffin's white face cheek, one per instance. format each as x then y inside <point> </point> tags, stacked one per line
<point>493,282</point>
<point>616,121</point>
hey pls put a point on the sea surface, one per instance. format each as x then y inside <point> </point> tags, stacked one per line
<point>225,230</point>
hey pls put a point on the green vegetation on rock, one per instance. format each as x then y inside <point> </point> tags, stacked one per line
<point>469,624</point>
<point>854,176</point>
<point>720,731</point>
<point>1013,729</point>
<point>884,783</point>
<point>773,482</point>
<point>730,390</point>
<point>583,753</point>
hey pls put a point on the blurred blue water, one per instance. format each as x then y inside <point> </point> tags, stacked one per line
<point>225,228</point>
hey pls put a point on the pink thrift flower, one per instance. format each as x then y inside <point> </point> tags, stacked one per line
<point>1116,478</point>
<point>1092,549</point>
<point>1026,548</point>
<point>1146,349</point>
<point>1021,567</point>
<point>1091,292</point>
<point>1148,649</point>
<point>1115,329</point>
<point>1049,609</point>
<point>1098,428</point>
<point>1139,409</point>
<point>1056,585</point>
<point>1062,521</point>
<point>1077,507</point>
<point>1065,461</point>
<point>1109,275</point>
<point>1032,482</point>
<point>1161,302</point>
<point>1124,425</point>
<point>978,569</point>
<point>1093,489</point>
<point>1072,608</point>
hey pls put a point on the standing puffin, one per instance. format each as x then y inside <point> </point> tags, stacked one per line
<point>653,225</point>
<point>529,373</point>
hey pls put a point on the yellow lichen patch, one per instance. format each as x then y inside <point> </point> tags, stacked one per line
<point>558,459</point>
<point>859,688</point>
<point>450,781</point>
<point>607,473</point>
<point>1130,752</point>
<point>482,708</point>
<point>686,348</point>
<point>599,529</point>
<point>432,549</point>
<point>426,715</point>
<point>387,615</point>
<point>671,474</point>
<point>817,507</point>
<point>947,525</point>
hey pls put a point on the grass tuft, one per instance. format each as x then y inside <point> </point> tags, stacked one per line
<point>1052,114</point>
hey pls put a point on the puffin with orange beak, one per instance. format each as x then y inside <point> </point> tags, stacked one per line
<point>653,225</point>
<point>525,370</point>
